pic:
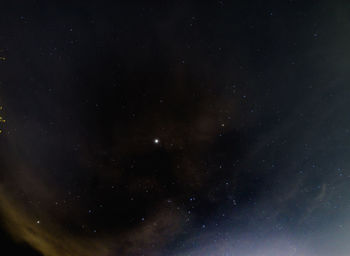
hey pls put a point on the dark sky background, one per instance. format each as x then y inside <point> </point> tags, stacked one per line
<point>185,128</point>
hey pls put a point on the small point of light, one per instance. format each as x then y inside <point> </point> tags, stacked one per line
<point>156,141</point>
<point>38,222</point>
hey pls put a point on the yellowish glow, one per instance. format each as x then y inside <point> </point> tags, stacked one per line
<point>45,237</point>
<point>2,120</point>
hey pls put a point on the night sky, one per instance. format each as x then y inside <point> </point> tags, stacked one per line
<point>175,128</point>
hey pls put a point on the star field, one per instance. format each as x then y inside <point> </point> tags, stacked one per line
<point>184,128</point>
